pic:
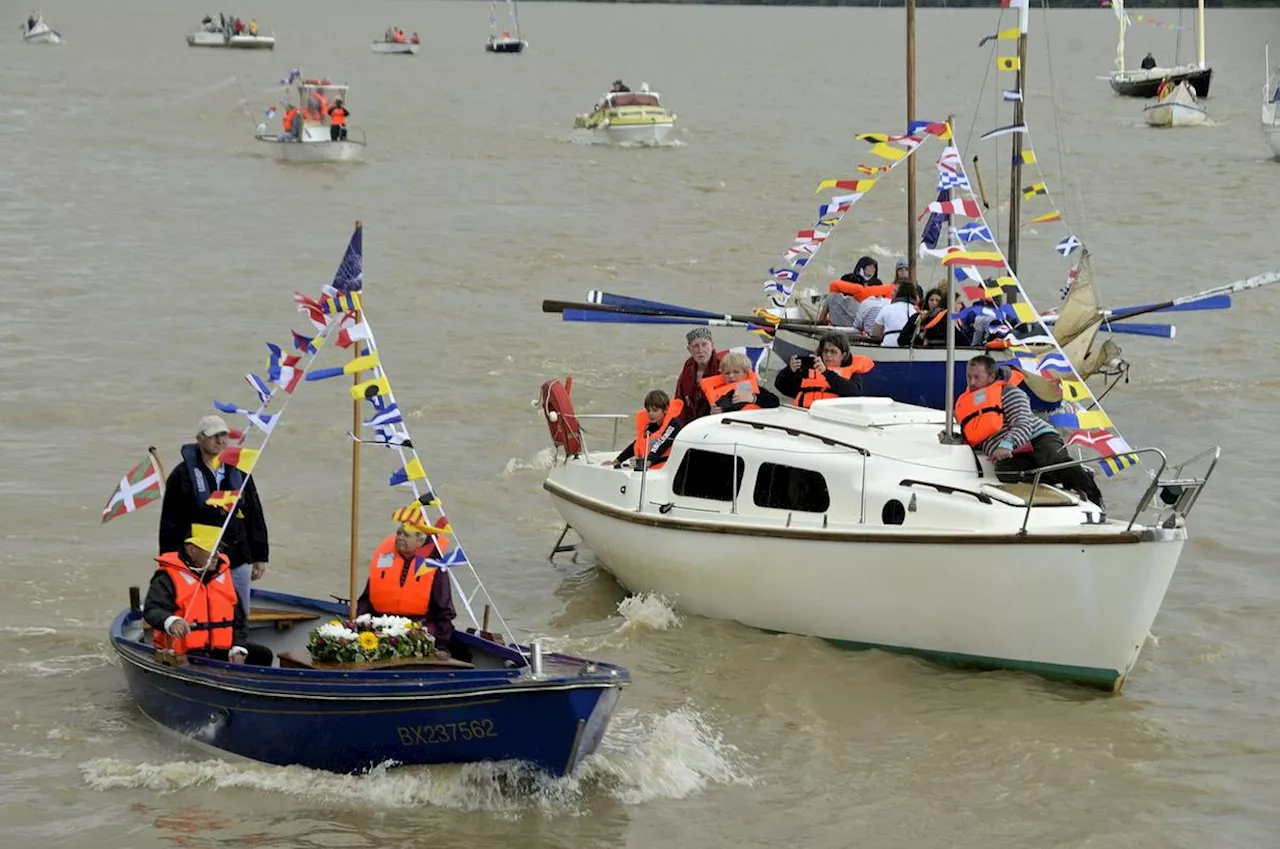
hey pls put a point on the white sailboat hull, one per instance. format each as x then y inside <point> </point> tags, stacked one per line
<point>241,42</point>
<point>313,151</point>
<point>41,34</point>
<point>1070,611</point>
<point>395,48</point>
<point>1271,127</point>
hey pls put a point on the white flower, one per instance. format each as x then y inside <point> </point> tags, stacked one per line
<point>391,626</point>
<point>336,632</point>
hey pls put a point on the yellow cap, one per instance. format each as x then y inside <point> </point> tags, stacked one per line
<point>204,537</point>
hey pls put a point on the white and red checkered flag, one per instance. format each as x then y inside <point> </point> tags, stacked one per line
<point>143,484</point>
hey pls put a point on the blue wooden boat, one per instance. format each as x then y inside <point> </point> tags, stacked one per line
<point>499,707</point>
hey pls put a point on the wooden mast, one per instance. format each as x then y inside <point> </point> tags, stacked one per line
<point>912,248</point>
<point>355,476</point>
<point>1015,173</point>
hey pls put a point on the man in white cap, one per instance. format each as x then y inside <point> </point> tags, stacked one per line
<point>186,503</point>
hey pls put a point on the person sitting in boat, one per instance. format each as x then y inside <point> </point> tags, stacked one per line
<point>192,604</point>
<point>291,122</point>
<point>737,387</point>
<point>846,295</point>
<point>995,418</point>
<point>656,428</point>
<point>413,39</point>
<point>893,317</point>
<point>928,327</point>
<point>338,121</point>
<point>703,362</point>
<point>31,22</point>
<point>832,373</point>
<point>405,578</point>
<point>253,27</point>
<point>1148,62</point>
<point>618,86</point>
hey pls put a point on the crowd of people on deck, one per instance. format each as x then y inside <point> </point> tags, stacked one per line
<point>395,35</point>
<point>316,109</point>
<point>994,411</point>
<point>228,25</point>
<point>198,600</point>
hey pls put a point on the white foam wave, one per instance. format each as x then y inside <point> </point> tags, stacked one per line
<point>647,610</point>
<point>542,460</point>
<point>70,665</point>
<point>33,631</point>
<point>642,758</point>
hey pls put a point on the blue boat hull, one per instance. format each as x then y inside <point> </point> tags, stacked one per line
<point>350,721</point>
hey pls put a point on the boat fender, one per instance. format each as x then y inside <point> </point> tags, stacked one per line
<point>664,509</point>
<point>622,490</point>
<point>562,422</point>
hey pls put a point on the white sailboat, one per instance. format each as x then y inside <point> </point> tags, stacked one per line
<point>1145,82</point>
<point>1271,108</point>
<point>509,40</point>
<point>35,30</point>
<point>1175,106</point>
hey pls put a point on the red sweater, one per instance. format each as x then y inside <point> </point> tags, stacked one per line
<point>689,389</point>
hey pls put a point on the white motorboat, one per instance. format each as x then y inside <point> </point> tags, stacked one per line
<point>1175,106</point>
<point>312,137</point>
<point>221,33</point>
<point>396,48</point>
<point>504,41</point>
<point>36,31</point>
<point>1271,109</point>
<point>627,117</point>
<point>852,522</point>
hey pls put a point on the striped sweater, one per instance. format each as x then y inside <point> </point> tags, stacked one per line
<point>1020,424</point>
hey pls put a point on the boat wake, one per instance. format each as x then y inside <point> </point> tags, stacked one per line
<point>544,459</point>
<point>642,758</point>
<point>648,611</point>
<point>587,137</point>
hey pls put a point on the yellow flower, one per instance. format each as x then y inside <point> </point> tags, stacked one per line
<point>368,640</point>
<point>334,622</point>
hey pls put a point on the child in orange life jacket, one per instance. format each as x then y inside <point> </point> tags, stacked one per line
<point>656,427</point>
<point>736,387</point>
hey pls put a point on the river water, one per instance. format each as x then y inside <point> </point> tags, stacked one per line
<point>148,250</point>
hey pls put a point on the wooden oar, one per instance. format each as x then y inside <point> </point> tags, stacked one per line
<point>574,311</point>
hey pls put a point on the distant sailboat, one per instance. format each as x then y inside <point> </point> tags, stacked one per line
<point>507,41</point>
<point>1271,108</point>
<point>1146,81</point>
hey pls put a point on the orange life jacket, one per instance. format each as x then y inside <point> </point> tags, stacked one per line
<point>643,437</point>
<point>716,387</point>
<point>981,413</point>
<point>209,608</point>
<point>814,387</point>
<point>387,594</point>
<point>338,115</point>
<point>861,291</point>
<point>289,118</point>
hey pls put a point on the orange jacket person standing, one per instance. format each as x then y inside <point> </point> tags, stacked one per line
<point>403,582</point>
<point>338,121</point>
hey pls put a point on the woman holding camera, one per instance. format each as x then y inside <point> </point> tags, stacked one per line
<point>832,373</point>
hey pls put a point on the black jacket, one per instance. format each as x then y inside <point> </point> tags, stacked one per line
<point>246,538</point>
<point>161,603</point>
<point>788,382</point>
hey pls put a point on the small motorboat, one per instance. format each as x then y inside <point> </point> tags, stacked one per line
<point>36,31</point>
<point>223,33</point>
<point>313,138</point>
<point>1175,106</point>
<point>396,43</point>
<point>629,117</point>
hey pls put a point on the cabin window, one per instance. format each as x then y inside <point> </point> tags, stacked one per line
<point>789,488</point>
<point>708,474</point>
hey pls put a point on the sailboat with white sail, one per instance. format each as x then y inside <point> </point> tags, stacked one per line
<point>508,40</point>
<point>1145,82</point>
<point>1271,107</point>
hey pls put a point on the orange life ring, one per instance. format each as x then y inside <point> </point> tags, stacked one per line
<point>562,421</point>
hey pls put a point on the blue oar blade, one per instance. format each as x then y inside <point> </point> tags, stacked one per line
<point>1163,331</point>
<point>1217,302</point>
<point>620,318</point>
<point>611,299</point>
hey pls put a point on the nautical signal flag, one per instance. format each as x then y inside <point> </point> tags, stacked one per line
<point>848,185</point>
<point>344,302</point>
<point>371,388</point>
<point>1034,189</point>
<point>136,490</point>
<point>242,458</point>
<point>1000,286</point>
<point>1068,245</point>
<point>354,333</point>
<point>1025,312</point>
<point>306,344</point>
<point>1008,63</point>
<point>224,498</point>
<point>989,259</point>
<point>356,366</point>
<point>889,152</point>
<point>1111,466</point>
<point>1027,157</point>
<point>412,471</point>
<point>1081,420</point>
<point>965,207</point>
<point>1010,34</point>
<point>1044,219</point>
<point>1011,4</point>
